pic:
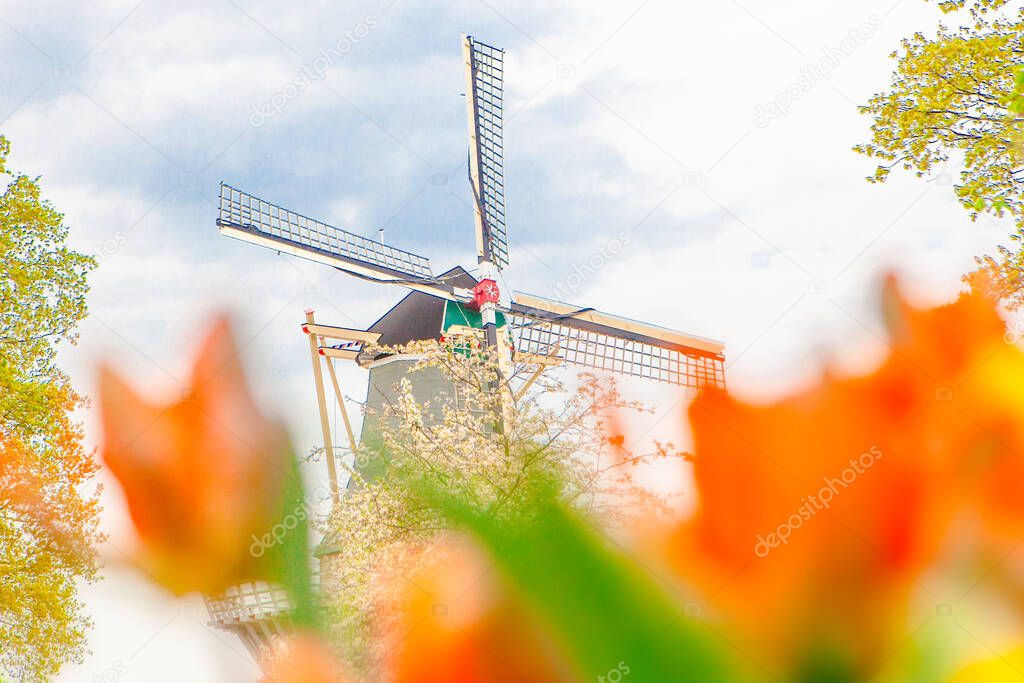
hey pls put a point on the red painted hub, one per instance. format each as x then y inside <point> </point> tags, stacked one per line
<point>486,292</point>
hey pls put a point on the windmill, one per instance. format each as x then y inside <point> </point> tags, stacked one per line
<point>519,324</point>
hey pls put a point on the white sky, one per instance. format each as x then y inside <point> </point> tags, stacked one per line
<point>636,117</point>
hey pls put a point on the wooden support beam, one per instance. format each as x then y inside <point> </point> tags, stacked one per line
<point>252,643</point>
<point>543,363</point>
<point>545,360</point>
<point>618,322</point>
<point>343,333</point>
<point>344,354</point>
<point>380,273</point>
<point>268,635</point>
<point>321,400</point>
<point>341,405</point>
<point>482,247</point>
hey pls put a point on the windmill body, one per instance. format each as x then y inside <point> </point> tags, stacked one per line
<point>518,323</point>
<point>417,317</point>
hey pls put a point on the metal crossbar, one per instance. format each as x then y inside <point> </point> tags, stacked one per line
<point>488,90</point>
<point>242,210</point>
<point>601,351</point>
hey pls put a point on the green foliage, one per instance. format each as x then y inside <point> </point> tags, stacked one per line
<point>289,560</point>
<point>959,95</point>
<point>48,519</point>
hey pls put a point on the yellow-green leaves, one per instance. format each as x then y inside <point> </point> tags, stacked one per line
<point>48,515</point>
<point>957,98</point>
<point>1015,102</point>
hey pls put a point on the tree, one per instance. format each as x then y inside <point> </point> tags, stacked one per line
<point>48,505</point>
<point>457,446</point>
<point>959,95</point>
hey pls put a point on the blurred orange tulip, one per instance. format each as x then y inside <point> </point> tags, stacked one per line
<point>303,658</point>
<point>201,475</point>
<point>817,514</point>
<point>458,624</point>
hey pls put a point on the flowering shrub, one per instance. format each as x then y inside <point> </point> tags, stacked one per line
<point>482,440</point>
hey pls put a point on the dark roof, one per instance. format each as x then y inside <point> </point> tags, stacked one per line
<point>417,316</point>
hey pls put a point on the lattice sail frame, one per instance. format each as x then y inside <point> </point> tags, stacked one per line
<point>243,211</point>
<point>672,364</point>
<point>487,74</point>
<point>258,613</point>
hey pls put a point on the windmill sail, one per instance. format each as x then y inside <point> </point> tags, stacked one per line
<point>241,211</point>
<point>601,341</point>
<point>485,101</point>
<point>253,220</point>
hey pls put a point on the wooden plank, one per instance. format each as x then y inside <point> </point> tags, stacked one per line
<point>618,322</point>
<point>529,383</point>
<point>543,363</point>
<point>482,248</point>
<point>549,360</point>
<point>321,401</point>
<point>343,333</point>
<point>344,354</point>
